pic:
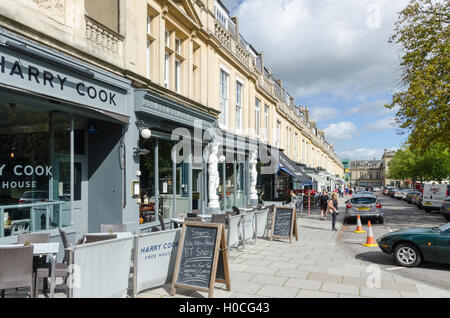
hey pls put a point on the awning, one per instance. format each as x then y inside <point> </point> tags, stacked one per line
<point>295,170</point>
<point>319,179</point>
<point>282,162</point>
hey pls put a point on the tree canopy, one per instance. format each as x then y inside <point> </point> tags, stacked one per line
<point>433,165</point>
<point>423,33</point>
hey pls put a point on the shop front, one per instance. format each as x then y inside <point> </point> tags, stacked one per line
<point>171,172</point>
<point>61,126</point>
<point>288,176</point>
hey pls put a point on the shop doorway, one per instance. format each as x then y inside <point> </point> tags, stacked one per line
<point>197,189</point>
<point>80,194</point>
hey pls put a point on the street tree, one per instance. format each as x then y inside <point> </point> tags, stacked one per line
<point>423,33</point>
<point>434,165</point>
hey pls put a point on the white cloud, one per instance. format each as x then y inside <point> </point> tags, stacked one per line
<point>340,131</point>
<point>375,107</point>
<point>318,46</point>
<point>380,125</point>
<point>323,113</point>
<point>361,154</point>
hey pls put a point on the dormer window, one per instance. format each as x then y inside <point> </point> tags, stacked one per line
<point>221,15</point>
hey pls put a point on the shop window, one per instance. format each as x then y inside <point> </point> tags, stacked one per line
<point>34,168</point>
<point>165,182</point>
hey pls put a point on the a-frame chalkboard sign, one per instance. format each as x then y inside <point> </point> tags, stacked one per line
<point>284,223</point>
<point>202,258</point>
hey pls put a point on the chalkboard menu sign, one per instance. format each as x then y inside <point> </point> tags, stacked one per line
<point>284,223</point>
<point>202,258</point>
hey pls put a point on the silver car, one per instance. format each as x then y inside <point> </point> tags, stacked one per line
<point>366,205</point>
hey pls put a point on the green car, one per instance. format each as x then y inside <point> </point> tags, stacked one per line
<point>412,246</point>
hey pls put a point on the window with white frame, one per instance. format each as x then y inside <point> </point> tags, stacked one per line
<point>167,70</point>
<point>295,146</point>
<point>221,15</point>
<point>149,24</point>
<point>239,89</point>
<point>277,134</point>
<point>178,76</point>
<point>178,45</point>
<point>167,38</point>
<point>266,122</point>
<point>257,116</point>
<point>224,98</point>
<point>149,47</point>
<point>303,151</point>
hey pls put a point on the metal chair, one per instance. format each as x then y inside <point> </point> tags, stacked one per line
<point>269,219</point>
<point>91,238</point>
<point>236,210</point>
<point>20,227</point>
<point>33,238</point>
<point>220,218</point>
<point>16,268</point>
<point>108,228</point>
<point>191,215</point>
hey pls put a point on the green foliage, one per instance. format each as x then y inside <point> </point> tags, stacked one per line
<point>433,165</point>
<point>423,32</point>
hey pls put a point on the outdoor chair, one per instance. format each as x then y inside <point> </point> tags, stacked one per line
<point>44,270</point>
<point>219,218</point>
<point>108,228</point>
<point>269,219</point>
<point>34,238</point>
<point>236,210</point>
<point>20,227</point>
<point>16,268</point>
<point>191,215</point>
<point>91,238</point>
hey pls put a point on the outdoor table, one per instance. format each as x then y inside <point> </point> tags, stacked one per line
<point>119,234</point>
<point>205,216</point>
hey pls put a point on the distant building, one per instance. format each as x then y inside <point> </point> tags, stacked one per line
<point>387,156</point>
<point>366,173</point>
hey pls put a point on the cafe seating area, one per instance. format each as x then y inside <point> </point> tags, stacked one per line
<point>34,265</point>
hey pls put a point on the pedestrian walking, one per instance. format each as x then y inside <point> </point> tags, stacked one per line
<point>333,210</point>
<point>323,204</point>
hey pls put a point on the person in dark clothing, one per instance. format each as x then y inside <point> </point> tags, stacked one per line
<point>333,210</point>
<point>323,203</point>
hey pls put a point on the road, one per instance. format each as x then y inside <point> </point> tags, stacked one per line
<point>398,215</point>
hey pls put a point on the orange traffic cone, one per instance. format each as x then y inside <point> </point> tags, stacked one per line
<point>370,239</point>
<point>359,228</point>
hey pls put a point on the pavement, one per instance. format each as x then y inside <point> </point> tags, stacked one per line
<point>312,267</point>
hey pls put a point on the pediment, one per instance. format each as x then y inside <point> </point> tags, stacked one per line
<point>186,7</point>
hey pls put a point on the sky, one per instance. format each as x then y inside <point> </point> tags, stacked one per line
<point>333,57</point>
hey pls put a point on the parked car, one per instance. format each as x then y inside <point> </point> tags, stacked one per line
<point>376,189</point>
<point>398,194</point>
<point>410,195</point>
<point>391,192</point>
<point>412,246</point>
<point>433,195</point>
<point>445,209</point>
<point>417,200</point>
<point>366,205</point>
<point>386,190</point>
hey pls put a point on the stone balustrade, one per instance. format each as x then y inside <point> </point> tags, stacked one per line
<point>103,39</point>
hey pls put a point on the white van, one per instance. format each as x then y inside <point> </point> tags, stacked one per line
<point>433,195</point>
